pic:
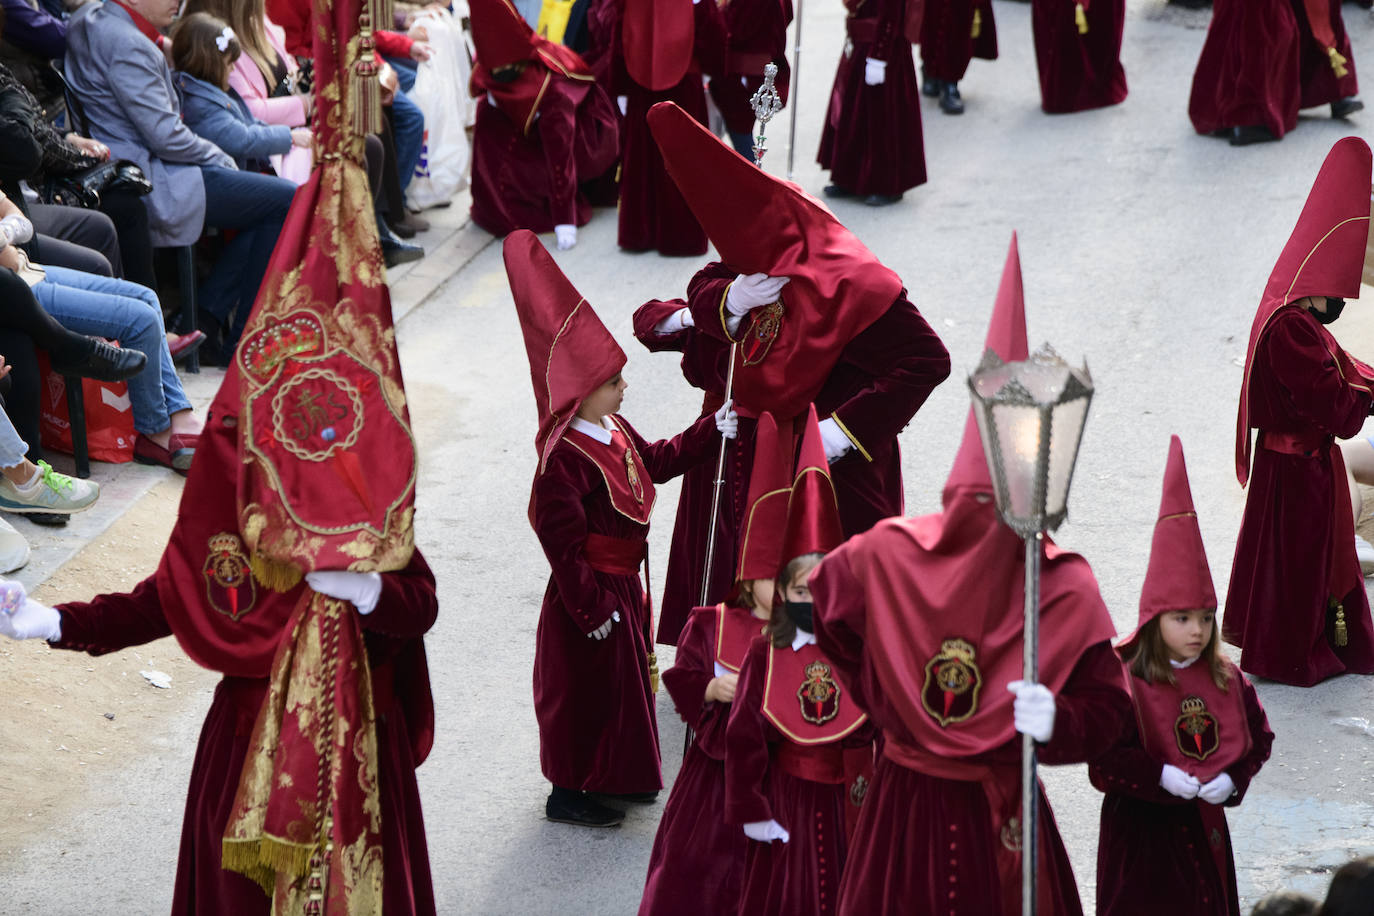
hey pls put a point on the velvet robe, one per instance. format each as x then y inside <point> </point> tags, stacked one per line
<point>758,34</point>
<point>405,729</point>
<point>1260,65</point>
<point>802,876</point>
<point>1153,849</point>
<point>872,142</point>
<point>926,844</point>
<point>882,378</point>
<point>597,727</point>
<point>530,181</point>
<point>653,215</point>
<point>948,42</point>
<point>697,863</point>
<point>1079,71</point>
<point>1277,604</point>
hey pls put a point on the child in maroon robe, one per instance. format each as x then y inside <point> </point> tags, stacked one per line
<point>697,863</point>
<point>953,32</point>
<point>923,618</point>
<point>543,127</point>
<point>1199,737</point>
<point>1297,605</point>
<point>595,672</point>
<point>1078,53</point>
<point>1266,59</point>
<point>799,753</point>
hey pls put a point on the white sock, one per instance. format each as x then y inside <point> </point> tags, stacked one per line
<point>32,482</point>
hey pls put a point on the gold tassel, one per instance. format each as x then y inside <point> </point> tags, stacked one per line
<point>653,671</point>
<point>1080,19</point>
<point>276,575</point>
<point>1340,636</point>
<point>382,12</point>
<point>1338,63</point>
<point>977,29</point>
<point>367,90</point>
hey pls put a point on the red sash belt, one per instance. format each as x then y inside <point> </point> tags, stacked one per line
<point>1344,574</point>
<point>614,556</point>
<point>814,762</point>
<point>748,63</point>
<point>1306,444</point>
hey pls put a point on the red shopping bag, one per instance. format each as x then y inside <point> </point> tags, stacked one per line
<point>109,416</point>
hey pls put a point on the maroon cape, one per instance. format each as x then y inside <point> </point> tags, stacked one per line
<point>1261,63</point>
<point>529,180</point>
<point>882,378</point>
<point>758,34</point>
<point>1079,71</point>
<point>597,728</point>
<point>405,731</point>
<point>802,876</point>
<point>697,863</point>
<point>1156,853</point>
<point>953,32</point>
<point>872,141</point>
<point>1276,607</point>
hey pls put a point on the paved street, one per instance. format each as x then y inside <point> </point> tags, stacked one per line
<point>1145,249</point>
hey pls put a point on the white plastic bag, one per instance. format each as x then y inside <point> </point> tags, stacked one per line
<point>441,93</point>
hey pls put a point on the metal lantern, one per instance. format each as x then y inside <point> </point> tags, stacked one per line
<point>1030,417</point>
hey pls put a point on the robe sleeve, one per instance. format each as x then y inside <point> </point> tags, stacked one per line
<point>905,360</point>
<point>1128,769</point>
<point>557,137</point>
<point>1300,359</point>
<point>706,298</point>
<point>646,319</point>
<point>891,16</point>
<point>109,623</point>
<point>408,604</point>
<point>1091,711</point>
<point>693,669</point>
<point>840,615</point>
<point>746,743</point>
<point>669,458</point>
<point>560,523</point>
<point>1261,743</point>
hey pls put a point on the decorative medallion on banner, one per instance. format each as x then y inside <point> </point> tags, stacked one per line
<point>1196,730</point>
<point>819,694</point>
<point>950,693</point>
<point>229,582</point>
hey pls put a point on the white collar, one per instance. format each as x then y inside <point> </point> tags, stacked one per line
<point>1185,663</point>
<point>802,638</point>
<point>600,433</point>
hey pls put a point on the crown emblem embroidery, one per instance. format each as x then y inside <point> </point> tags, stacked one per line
<point>229,584</point>
<point>766,323</point>
<point>1196,730</point>
<point>819,694</point>
<point>952,683</point>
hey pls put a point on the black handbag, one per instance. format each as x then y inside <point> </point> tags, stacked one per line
<point>83,188</point>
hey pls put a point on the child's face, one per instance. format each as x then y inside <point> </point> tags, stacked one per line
<point>1186,633</point>
<point>799,587</point>
<point>763,591</point>
<point>604,400</point>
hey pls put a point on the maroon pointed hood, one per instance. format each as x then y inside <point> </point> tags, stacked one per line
<point>770,490</point>
<point>813,517</point>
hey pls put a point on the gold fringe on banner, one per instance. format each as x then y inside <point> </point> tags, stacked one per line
<point>1338,62</point>
<point>977,29</point>
<point>276,575</point>
<point>1080,19</point>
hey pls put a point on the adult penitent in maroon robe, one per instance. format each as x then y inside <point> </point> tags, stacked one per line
<point>539,136</point>
<point>1262,62</point>
<point>1297,605</point>
<point>953,32</point>
<point>1079,70</point>
<point>872,141</point>
<point>758,36</point>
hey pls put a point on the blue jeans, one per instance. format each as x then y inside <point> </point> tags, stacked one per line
<point>123,311</point>
<point>405,72</point>
<point>255,205</point>
<point>408,125</point>
<point>12,447</point>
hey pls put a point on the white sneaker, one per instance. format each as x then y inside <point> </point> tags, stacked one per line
<point>14,550</point>
<point>49,492</point>
<point>1365,551</point>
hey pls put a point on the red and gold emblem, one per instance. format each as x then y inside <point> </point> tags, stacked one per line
<point>819,694</point>
<point>632,475</point>
<point>763,330</point>
<point>229,582</point>
<point>950,693</point>
<point>1196,730</point>
<point>857,790</point>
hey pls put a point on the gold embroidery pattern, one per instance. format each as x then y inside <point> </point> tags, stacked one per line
<point>950,692</point>
<point>819,694</point>
<point>636,486</point>
<point>1199,725</point>
<point>227,573</point>
<point>306,416</point>
<point>767,322</point>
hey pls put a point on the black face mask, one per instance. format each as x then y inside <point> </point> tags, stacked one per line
<point>799,612</point>
<point>505,74</point>
<point>1334,307</point>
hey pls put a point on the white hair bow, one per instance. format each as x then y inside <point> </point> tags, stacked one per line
<point>223,39</point>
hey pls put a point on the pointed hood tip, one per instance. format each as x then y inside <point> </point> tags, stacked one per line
<point>813,518</point>
<point>770,486</point>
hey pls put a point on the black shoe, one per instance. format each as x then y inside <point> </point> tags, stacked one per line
<point>1345,107</point>
<point>951,102</point>
<point>565,807</point>
<point>929,87</point>
<point>882,200</point>
<point>105,363</point>
<point>633,798</point>
<point>401,230</point>
<point>837,192</point>
<point>395,251</point>
<point>1251,133</point>
<point>48,519</point>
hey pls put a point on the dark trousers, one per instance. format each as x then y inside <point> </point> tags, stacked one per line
<point>76,238</point>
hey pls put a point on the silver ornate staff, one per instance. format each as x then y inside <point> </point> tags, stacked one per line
<point>796,87</point>
<point>766,102</point>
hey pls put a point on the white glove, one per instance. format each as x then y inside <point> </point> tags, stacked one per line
<point>23,618</point>
<point>1033,710</point>
<point>623,102</point>
<point>362,589</point>
<point>678,321</point>
<point>1178,782</point>
<point>836,443</point>
<point>875,71</point>
<point>751,292</point>
<point>604,630</point>
<point>766,832</point>
<point>727,421</point>
<point>566,235</point>
<point>16,229</point>
<point>1218,790</point>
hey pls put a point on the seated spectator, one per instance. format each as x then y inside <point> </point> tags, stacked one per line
<point>115,65</point>
<point>123,311</point>
<point>1352,890</point>
<point>34,37</point>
